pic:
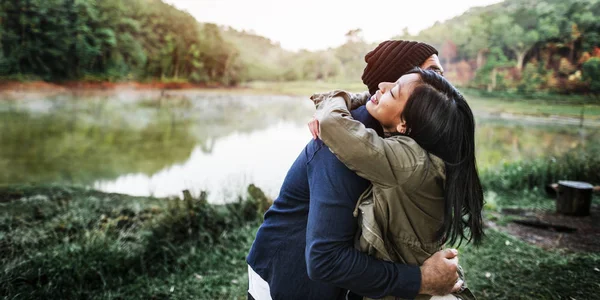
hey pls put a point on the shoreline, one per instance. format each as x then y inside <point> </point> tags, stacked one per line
<point>15,90</point>
<point>28,86</point>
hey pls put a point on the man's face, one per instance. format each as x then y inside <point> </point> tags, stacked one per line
<point>433,63</point>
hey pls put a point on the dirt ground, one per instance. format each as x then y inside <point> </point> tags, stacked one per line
<point>550,230</point>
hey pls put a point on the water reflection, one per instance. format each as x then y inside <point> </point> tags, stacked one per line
<point>499,141</point>
<point>261,157</point>
<point>153,144</point>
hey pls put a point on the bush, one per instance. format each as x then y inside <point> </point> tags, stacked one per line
<point>535,77</point>
<point>582,164</point>
<point>591,74</point>
<point>66,243</point>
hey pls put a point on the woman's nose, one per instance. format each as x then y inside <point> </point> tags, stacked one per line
<point>383,86</point>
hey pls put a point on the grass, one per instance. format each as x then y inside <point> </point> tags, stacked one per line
<point>64,243</point>
<point>507,268</point>
<point>68,242</point>
<point>59,242</point>
<point>504,267</point>
<point>581,164</point>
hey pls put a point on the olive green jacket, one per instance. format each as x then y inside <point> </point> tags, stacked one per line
<point>400,214</point>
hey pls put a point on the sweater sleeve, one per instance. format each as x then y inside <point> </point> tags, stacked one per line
<point>330,253</point>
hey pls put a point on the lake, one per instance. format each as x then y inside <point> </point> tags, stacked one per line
<point>160,143</point>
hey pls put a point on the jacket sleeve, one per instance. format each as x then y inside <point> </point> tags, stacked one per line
<point>355,100</point>
<point>385,162</point>
<point>330,230</point>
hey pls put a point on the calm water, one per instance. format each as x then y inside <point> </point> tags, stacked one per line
<point>145,143</point>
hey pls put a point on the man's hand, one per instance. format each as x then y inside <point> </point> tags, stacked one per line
<point>439,274</point>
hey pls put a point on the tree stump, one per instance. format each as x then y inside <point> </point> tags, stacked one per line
<point>574,198</point>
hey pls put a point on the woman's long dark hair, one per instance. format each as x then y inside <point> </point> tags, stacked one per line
<point>439,119</point>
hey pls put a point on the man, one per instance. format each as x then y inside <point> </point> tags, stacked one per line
<point>305,247</point>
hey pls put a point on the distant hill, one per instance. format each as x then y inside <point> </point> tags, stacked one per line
<point>520,45</point>
<point>263,58</point>
<point>514,45</point>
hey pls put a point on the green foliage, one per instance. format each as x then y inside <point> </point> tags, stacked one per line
<point>591,74</point>
<point>581,164</point>
<point>549,274</point>
<point>514,36</point>
<point>151,40</point>
<point>534,78</point>
<point>524,32</point>
<point>504,267</point>
<point>112,40</point>
<point>488,75</point>
<point>68,242</point>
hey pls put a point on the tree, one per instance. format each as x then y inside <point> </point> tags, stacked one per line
<point>515,38</point>
<point>348,59</point>
<point>488,76</point>
<point>591,74</point>
<point>477,42</point>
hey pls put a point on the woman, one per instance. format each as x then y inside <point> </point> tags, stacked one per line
<point>425,187</point>
<point>305,247</point>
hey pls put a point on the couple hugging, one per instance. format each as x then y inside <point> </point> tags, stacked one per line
<point>389,179</point>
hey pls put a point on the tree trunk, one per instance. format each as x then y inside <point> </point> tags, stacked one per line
<point>480,58</point>
<point>176,73</point>
<point>492,85</point>
<point>572,52</point>
<point>574,198</point>
<point>520,59</point>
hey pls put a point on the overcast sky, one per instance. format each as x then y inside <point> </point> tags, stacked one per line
<point>319,24</point>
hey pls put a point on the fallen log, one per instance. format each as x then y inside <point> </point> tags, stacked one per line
<point>545,225</point>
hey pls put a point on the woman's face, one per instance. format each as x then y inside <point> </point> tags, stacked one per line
<point>387,104</point>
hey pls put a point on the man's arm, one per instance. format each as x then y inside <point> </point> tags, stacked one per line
<point>330,253</point>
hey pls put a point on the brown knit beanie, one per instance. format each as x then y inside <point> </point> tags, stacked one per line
<point>392,59</point>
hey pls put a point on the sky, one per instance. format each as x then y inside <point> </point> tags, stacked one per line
<point>320,24</point>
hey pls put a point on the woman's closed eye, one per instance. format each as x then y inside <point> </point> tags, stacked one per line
<point>397,87</point>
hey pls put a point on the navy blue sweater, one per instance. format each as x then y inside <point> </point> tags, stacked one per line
<point>305,247</point>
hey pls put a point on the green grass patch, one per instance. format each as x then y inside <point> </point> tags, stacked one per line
<point>70,242</point>
<point>506,268</point>
<point>580,164</point>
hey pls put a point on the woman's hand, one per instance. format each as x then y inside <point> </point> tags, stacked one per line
<point>313,126</point>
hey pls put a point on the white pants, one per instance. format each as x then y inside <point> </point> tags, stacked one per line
<point>258,287</point>
<point>447,297</point>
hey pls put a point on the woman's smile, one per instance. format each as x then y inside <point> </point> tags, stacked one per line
<point>374,100</point>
